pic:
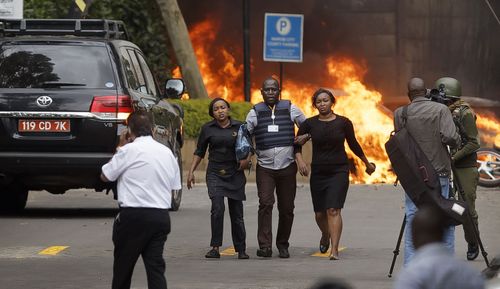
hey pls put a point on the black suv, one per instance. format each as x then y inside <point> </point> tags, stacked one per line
<point>66,89</point>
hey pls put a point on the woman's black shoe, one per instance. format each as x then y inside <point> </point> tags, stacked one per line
<point>324,245</point>
<point>243,255</point>
<point>212,254</point>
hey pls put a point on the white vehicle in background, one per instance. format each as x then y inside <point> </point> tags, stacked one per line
<point>488,164</point>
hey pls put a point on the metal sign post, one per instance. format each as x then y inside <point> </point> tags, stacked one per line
<point>283,35</point>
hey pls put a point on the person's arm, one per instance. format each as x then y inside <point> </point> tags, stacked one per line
<point>251,121</point>
<point>471,133</point>
<point>447,128</point>
<point>301,164</point>
<point>356,148</point>
<point>199,154</point>
<point>194,164</point>
<point>304,133</point>
<point>396,119</point>
<point>125,138</point>
<point>245,163</point>
<point>116,166</point>
<point>297,115</point>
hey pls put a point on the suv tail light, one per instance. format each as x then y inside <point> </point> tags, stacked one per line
<point>111,106</point>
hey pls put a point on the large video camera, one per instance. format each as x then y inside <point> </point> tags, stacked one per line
<point>439,95</point>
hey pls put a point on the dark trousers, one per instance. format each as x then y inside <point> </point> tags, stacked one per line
<point>285,183</point>
<point>237,224</point>
<point>140,231</point>
<point>469,178</point>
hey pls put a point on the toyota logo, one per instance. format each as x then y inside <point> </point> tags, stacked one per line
<point>43,101</point>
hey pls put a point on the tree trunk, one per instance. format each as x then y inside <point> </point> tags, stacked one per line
<point>179,37</point>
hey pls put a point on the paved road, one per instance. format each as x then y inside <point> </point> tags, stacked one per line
<point>81,223</point>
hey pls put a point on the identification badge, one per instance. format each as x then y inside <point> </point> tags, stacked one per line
<point>273,128</point>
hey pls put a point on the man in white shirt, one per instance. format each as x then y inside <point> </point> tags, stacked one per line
<point>146,172</point>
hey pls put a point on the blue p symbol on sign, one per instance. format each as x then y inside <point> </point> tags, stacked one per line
<point>283,26</point>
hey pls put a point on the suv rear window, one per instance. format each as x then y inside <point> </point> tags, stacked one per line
<point>44,66</point>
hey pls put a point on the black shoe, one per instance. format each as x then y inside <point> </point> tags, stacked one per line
<point>472,251</point>
<point>284,253</point>
<point>212,254</point>
<point>324,244</point>
<point>243,255</point>
<point>265,252</point>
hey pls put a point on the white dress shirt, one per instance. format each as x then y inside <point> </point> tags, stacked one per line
<point>147,172</point>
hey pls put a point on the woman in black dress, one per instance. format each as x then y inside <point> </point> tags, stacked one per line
<point>329,167</point>
<point>224,176</point>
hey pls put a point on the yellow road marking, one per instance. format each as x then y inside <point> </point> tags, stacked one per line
<point>228,252</point>
<point>53,250</point>
<point>327,254</point>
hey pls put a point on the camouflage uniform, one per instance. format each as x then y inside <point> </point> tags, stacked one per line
<point>465,161</point>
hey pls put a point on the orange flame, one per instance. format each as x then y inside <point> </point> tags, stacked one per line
<point>363,107</point>
<point>489,129</point>
<point>221,75</point>
<point>372,121</point>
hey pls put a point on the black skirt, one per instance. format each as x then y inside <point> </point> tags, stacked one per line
<point>329,185</point>
<point>224,180</point>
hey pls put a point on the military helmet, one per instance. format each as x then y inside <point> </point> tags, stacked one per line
<point>450,86</point>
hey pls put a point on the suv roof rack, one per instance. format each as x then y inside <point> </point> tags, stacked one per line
<point>101,28</point>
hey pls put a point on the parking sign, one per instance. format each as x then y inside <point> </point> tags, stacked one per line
<point>283,35</point>
<point>11,9</point>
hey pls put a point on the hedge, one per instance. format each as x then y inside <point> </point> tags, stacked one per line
<point>196,114</point>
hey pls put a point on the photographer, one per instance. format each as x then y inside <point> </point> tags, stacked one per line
<point>431,125</point>
<point>464,158</point>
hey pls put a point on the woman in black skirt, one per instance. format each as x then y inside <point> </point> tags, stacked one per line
<point>329,167</point>
<point>224,177</point>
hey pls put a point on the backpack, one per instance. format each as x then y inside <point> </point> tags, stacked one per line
<point>418,177</point>
<point>243,143</point>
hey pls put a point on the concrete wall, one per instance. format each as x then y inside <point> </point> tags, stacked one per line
<point>427,38</point>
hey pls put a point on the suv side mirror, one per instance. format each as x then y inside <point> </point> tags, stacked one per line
<point>174,88</point>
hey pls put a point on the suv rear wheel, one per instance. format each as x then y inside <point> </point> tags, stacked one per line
<point>13,197</point>
<point>177,194</point>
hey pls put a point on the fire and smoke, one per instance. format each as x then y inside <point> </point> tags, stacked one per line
<point>222,76</point>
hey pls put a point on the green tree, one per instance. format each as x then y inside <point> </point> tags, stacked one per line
<point>44,9</point>
<point>145,26</point>
<point>142,19</point>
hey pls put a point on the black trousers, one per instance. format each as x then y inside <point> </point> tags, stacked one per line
<point>237,224</point>
<point>140,231</point>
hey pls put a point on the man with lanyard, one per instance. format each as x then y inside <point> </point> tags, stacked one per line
<point>431,125</point>
<point>464,158</point>
<point>146,172</point>
<point>272,124</point>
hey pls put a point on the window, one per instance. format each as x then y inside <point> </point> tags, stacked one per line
<point>150,81</point>
<point>132,68</point>
<point>128,69</point>
<point>49,64</point>
<point>142,88</point>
